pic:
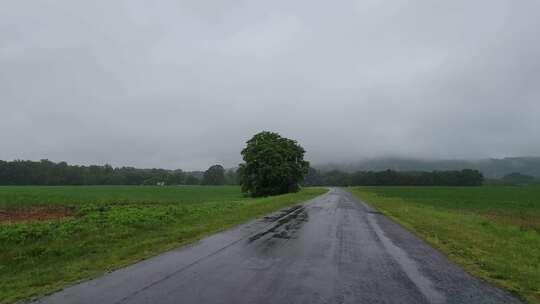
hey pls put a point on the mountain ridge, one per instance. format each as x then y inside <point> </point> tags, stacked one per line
<point>490,167</point>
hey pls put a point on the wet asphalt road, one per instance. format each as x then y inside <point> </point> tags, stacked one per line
<point>332,249</point>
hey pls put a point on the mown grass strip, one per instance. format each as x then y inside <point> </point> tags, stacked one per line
<point>503,249</point>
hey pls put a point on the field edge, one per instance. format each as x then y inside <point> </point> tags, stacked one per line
<point>283,201</point>
<point>468,265</point>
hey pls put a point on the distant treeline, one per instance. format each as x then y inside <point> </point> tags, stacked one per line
<point>465,177</point>
<point>46,172</point>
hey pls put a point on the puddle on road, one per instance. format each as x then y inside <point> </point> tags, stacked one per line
<point>287,223</point>
<point>279,214</point>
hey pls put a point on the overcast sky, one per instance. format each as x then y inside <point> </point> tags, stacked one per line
<point>183,84</point>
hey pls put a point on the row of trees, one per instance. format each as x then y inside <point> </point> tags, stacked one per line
<point>46,172</point>
<point>465,177</point>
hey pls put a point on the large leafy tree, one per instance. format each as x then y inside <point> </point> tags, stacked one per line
<point>273,165</point>
<point>215,175</point>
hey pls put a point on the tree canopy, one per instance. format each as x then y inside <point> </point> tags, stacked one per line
<point>272,165</point>
<point>215,175</point>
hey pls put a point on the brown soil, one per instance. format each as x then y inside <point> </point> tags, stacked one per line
<point>33,214</point>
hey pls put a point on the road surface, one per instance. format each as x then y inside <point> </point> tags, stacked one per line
<point>333,249</point>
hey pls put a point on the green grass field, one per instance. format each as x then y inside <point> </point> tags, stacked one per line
<point>493,232</point>
<point>110,227</point>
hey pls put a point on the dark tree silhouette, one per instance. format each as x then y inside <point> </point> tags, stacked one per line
<point>273,165</point>
<point>215,175</point>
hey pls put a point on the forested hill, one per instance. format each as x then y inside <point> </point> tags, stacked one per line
<point>490,168</point>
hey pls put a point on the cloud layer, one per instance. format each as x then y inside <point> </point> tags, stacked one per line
<point>183,84</point>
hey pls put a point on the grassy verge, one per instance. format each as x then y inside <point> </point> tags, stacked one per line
<point>112,227</point>
<point>493,232</point>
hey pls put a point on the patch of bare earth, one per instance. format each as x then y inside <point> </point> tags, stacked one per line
<point>33,214</point>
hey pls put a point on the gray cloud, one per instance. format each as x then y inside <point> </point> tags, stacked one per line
<point>183,84</point>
